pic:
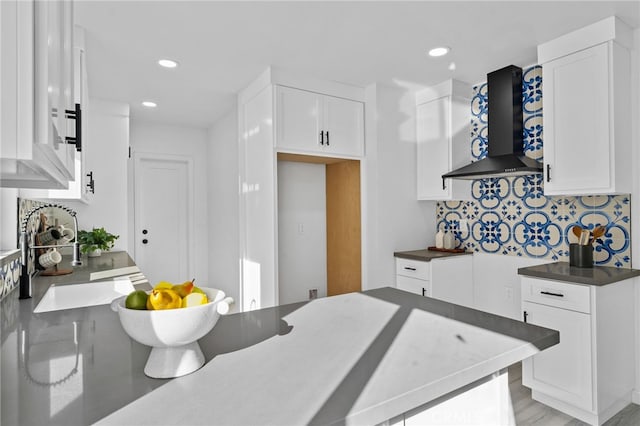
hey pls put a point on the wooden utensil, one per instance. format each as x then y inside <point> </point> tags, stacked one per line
<point>584,237</point>
<point>577,231</point>
<point>597,233</point>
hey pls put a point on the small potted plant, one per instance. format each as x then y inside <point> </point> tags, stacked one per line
<point>94,241</point>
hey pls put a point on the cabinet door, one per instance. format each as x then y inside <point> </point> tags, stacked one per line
<point>576,102</point>
<point>433,148</point>
<point>563,371</point>
<point>81,187</point>
<point>413,285</point>
<point>343,126</point>
<point>298,119</point>
<point>452,279</point>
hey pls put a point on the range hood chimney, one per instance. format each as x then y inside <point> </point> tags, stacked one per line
<point>505,156</point>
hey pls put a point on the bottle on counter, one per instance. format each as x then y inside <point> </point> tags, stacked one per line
<point>449,240</point>
<point>440,239</point>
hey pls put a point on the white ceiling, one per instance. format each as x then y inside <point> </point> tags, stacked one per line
<point>223,46</point>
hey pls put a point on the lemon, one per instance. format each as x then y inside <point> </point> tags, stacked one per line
<point>194,299</point>
<point>163,284</point>
<point>136,300</point>
<point>163,298</point>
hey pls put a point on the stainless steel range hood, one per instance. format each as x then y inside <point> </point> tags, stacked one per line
<point>505,156</point>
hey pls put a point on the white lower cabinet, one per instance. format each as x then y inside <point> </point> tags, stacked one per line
<point>563,370</point>
<point>486,402</point>
<point>447,278</point>
<point>414,285</point>
<point>589,374</point>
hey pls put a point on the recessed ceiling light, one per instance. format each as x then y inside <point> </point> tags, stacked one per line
<point>149,104</point>
<point>167,63</point>
<point>438,51</point>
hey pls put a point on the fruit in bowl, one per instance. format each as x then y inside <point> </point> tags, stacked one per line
<point>167,296</point>
<point>171,330</point>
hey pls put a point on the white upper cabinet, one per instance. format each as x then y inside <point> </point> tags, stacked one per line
<point>586,107</point>
<point>36,85</point>
<point>82,186</point>
<point>443,140</point>
<point>313,123</point>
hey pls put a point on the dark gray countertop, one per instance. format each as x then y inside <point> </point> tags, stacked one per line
<point>561,271</point>
<point>357,358</point>
<point>426,255</point>
<point>76,366</point>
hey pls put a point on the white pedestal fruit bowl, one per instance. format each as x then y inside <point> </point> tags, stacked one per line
<point>173,333</point>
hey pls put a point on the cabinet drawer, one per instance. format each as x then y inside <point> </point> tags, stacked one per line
<point>413,268</point>
<point>558,294</point>
<point>413,285</point>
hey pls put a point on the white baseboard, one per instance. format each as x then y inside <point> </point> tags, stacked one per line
<point>635,397</point>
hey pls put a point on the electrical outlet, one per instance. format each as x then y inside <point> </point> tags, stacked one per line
<point>313,293</point>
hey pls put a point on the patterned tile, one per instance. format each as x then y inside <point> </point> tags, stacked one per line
<point>512,216</point>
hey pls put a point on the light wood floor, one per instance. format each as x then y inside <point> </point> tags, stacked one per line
<point>529,412</point>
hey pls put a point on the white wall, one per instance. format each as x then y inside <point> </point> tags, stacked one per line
<point>497,283</point>
<point>223,196</point>
<point>302,231</point>
<point>8,218</point>
<point>393,219</point>
<point>186,142</point>
<point>108,137</point>
<point>635,195</point>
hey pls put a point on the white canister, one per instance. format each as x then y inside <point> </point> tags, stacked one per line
<point>440,239</point>
<point>449,241</point>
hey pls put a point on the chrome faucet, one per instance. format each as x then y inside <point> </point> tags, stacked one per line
<point>25,277</point>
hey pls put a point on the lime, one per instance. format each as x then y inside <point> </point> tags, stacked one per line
<point>136,300</point>
<point>197,290</point>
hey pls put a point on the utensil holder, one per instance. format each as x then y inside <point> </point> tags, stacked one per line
<point>581,256</point>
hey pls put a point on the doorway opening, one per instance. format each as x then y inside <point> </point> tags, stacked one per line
<point>319,227</point>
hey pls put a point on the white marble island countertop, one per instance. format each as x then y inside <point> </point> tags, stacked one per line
<point>359,358</point>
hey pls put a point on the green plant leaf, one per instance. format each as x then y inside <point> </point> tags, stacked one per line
<point>97,238</point>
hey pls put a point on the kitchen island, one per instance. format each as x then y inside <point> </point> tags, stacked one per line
<point>359,358</point>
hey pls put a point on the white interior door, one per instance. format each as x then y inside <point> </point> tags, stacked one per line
<point>163,217</point>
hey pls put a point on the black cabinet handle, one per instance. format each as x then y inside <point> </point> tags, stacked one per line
<point>444,184</point>
<point>91,185</point>
<point>321,137</point>
<point>145,241</point>
<point>408,268</point>
<point>525,315</point>
<point>327,138</point>
<point>424,292</point>
<point>548,293</point>
<point>548,172</point>
<point>77,116</point>
<point>145,232</point>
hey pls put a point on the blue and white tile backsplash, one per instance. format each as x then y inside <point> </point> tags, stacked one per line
<point>10,267</point>
<point>512,216</point>
<point>9,274</point>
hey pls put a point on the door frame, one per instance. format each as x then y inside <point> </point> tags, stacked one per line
<point>138,157</point>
